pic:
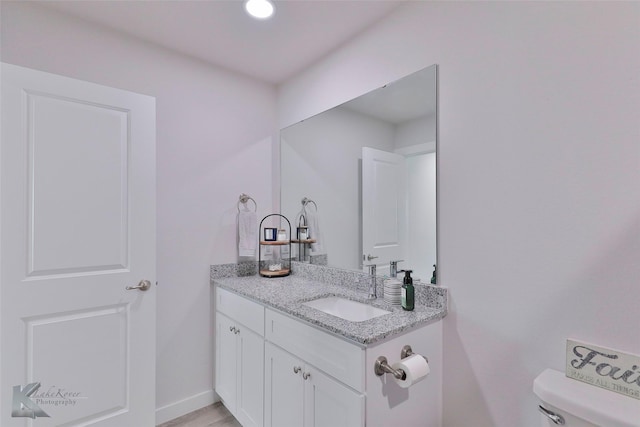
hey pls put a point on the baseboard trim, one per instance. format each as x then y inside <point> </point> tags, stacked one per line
<point>182,407</point>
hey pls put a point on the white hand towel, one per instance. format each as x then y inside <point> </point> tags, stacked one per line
<point>247,233</point>
<point>317,248</point>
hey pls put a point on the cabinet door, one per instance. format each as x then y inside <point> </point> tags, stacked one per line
<point>283,388</point>
<point>250,377</point>
<point>226,361</point>
<point>329,403</point>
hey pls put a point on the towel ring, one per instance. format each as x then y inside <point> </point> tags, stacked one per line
<point>244,199</point>
<point>305,201</point>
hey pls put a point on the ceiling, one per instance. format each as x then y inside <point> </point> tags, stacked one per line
<point>409,98</point>
<point>220,32</point>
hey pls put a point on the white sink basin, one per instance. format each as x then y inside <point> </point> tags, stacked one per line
<point>346,309</point>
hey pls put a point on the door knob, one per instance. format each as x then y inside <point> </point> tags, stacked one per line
<point>370,257</point>
<point>144,285</point>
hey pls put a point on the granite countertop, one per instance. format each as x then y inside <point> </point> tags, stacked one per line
<point>287,294</point>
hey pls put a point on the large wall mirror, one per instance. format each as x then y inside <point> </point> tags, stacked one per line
<point>369,168</point>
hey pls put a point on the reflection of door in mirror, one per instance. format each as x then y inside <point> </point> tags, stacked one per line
<point>399,209</point>
<point>383,206</point>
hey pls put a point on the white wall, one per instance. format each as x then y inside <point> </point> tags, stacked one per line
<point>413,137</point>
<point>416,132</point>
<point>420,254</point>
<point>203,140</point>
<point>539,165</point>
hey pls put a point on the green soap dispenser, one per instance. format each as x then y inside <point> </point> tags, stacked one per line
<point>408,291</point>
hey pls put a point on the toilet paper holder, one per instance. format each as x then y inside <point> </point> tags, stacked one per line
<point>381,365</point>
<point>407,351</point>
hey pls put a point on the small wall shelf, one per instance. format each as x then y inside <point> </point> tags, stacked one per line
<point>275,273</point>
<point>280,264</point>
<point>303,244</point>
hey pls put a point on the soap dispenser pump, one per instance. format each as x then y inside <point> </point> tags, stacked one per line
<point>408,291</point>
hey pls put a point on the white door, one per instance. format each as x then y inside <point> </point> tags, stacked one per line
<point>329,403</point>
<point>250,405</point>
<point>77,206</point>
<point>383,206</point>
<point>226,361</point>
<point>284,389</point>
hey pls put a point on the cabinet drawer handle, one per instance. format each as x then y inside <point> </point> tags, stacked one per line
<point>306,375</point>
<point>296,369</point>
<point>237,331</point>
<point>232,329</point>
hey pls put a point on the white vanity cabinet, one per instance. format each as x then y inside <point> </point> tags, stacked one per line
<point>299,395</point>
<point>274,370</point>
<point>312,378</point>
<point>239,369</point>
<point>341,387</point>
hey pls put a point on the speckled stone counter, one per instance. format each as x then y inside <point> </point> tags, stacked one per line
<point>287,294</point>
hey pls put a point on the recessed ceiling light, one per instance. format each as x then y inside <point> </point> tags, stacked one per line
<point>260,9</point>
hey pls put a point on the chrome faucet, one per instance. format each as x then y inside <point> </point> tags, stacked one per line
<point>372,282</point>
<point>393,268</point>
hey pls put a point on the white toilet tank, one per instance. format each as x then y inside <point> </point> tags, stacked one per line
<point>572,403</point>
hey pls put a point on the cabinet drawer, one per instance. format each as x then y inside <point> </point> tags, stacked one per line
<point>241,310</point>
<point>336,357</point>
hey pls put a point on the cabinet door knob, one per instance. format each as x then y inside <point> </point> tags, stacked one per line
<point>237,331</point>
<point>296,369</point>
<point>306,375</point>
<point>232,329</point>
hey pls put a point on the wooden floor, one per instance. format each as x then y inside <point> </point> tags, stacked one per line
<point>215,415</point>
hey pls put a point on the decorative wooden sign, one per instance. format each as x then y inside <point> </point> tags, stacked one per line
<point>602,367</point>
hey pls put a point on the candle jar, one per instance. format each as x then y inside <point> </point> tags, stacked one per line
<point>303,233</point>
<point>270,234</point>
<point>282,235</point>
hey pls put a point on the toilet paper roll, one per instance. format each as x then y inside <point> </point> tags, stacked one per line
<point>415,368</point>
